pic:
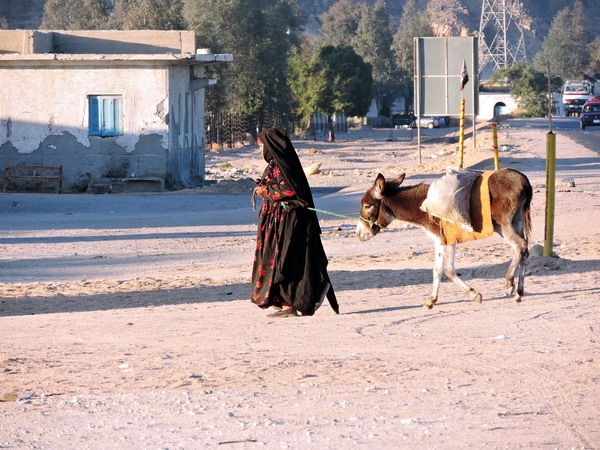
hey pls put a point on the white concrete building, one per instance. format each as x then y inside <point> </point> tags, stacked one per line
<point>104,104</point>
<point>492,104</point>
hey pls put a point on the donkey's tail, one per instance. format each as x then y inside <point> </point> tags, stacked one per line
<point>528,191</point>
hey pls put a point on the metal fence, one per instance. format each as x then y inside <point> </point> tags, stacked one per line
<point>226,130</point>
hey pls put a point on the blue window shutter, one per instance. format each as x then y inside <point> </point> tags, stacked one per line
<point>94,118</point>
<point>106,115</point>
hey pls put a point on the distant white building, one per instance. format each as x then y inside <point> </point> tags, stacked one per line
<point>492,104</point>
<point>104,103</point>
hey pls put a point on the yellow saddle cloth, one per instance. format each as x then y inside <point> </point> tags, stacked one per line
<point>481,215</point>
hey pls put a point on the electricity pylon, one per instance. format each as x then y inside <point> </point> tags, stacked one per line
<point>501,41</point>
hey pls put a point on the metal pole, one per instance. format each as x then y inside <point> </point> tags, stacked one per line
<point>550,192</point>
<point>549,100</point>
<point>461,133</point>
<point>417,93</point>
<point>495,136</point>
<point>474,133</point>
<point>550,178</point>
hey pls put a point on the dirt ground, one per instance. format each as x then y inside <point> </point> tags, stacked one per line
<point>126,320</point>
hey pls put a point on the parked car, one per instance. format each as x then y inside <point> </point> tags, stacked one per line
<point>590,113</point>
<point>429,122</point>
<point>408,120</point>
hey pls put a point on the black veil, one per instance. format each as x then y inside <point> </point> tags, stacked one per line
<point>278,147</point>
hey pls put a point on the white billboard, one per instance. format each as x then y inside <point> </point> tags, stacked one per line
<point>439,72</point>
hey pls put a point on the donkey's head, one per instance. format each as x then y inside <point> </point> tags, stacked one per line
<point>373,215</point>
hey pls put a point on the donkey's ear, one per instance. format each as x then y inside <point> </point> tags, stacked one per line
<point>378,187</point>
<point>397,181</point>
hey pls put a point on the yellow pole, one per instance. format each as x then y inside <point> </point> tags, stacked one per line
<point>550,192</point>
<point>495,135</point>
<point>461,133</point>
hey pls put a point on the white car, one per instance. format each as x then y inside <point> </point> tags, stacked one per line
<point>429,122</point>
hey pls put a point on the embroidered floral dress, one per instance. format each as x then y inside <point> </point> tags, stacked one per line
<point>278,201</point>
<point>290,265</point>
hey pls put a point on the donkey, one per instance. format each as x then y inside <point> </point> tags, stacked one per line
<point>510,197</point>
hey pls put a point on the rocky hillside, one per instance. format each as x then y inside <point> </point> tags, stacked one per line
<point>28,14</point>
<point>542,12</point>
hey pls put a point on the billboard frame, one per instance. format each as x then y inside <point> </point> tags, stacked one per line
<point>438,66</point>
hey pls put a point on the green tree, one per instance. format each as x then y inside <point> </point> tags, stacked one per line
<point>335,81</point>
<point>341,21</point>
<point>76,14</point>
<point>413,23</point>
<point>565,49</point>
<point>298,78</point>
<point>594,49</point>
<point>147,15</point>
<point>528,87</point>
<point>259,34</point>
<point>373,42</point>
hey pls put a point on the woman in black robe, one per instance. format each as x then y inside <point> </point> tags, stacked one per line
<point>290,265</point>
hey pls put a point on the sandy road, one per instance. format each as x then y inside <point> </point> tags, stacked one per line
<point>126,323</point>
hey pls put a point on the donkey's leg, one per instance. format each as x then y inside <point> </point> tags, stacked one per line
<point>438,267</point>
<point>523,254</point>
<point>518,263</point>
<point>444,263</point>
<point>521,275</point>
<point>449,254</point>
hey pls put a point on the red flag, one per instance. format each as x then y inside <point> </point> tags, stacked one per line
<point>464,75</point>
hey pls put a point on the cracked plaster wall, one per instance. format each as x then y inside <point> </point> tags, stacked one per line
<point>44,120</point>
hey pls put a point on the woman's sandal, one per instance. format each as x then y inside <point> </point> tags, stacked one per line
<point>284,313</point>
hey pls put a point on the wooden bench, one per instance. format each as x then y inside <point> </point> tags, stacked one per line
<point>34,173</point>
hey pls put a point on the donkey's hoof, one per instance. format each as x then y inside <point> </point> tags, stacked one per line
<point>510,289</point>
<point>517,298</point>
<point>429,304</point>
<point>475,296</point>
